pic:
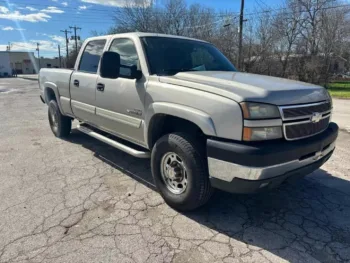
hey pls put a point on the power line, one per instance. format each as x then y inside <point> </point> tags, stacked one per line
<point>75,37</point>
<point>8,48</point>
<point>298,12</point>
<point>85,18</point>
<point>160,12</point>
<point>38,49</point>
<point>22,4</point>
<point>59,55</point>
<point>67,41</point>
<point>205,25</point>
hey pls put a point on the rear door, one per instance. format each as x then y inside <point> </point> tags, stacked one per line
<point>83,81</point>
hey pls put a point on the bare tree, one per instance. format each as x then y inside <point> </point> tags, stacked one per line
<point>301,39</point>
<point>262,40</point>
<point>287,25</point>
<point>335,31</point>
<point>138,15</point>
<point>175,17</point>
<point>200,22</point>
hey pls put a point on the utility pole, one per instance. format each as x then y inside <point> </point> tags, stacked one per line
<point>241,20</point>
<point>59,55</point>
<point>8,48</point>
<point>38,49</point>
<point>67,42</point>
<point>76,37</point>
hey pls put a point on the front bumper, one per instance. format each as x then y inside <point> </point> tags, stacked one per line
<point>250,167</point>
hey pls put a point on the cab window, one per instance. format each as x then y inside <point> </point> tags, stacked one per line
<point>91,56</point>
<point>129,59</point>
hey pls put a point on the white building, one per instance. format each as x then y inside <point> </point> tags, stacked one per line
<point>25,63</point>
<point>5,66</point>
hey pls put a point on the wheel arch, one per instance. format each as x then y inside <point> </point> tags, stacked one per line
<point>51,93</point>
<point>163,118</point>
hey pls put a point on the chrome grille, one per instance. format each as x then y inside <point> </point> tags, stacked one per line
<point>305,129</point>
<point>299,121</point>
<point>306,110</point>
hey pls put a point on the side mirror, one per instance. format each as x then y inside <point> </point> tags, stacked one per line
<point>110,65</point>
<point>137,74</point>
<point>130,72</point>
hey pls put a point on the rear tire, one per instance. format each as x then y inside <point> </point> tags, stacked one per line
<point>184,154</point>
<point>60,125</point>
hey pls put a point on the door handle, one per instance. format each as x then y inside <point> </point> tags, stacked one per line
<point>76,83</point>
<point>100,87</point>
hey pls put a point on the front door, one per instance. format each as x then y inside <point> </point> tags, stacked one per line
<point>119,104</point>
<point>83,82</point>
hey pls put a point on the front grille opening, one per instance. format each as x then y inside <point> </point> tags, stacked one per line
<point>305,111</point>
<point>303,130</point>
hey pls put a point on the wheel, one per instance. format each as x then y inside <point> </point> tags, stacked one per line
<point>180,172</point>
<point>60,125</point>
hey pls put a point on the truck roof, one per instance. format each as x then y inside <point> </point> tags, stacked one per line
<point>142,34</point>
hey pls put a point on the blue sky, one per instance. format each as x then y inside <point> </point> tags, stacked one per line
<point>24,23</point>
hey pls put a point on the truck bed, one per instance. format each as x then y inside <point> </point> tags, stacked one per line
<point>56,77</point>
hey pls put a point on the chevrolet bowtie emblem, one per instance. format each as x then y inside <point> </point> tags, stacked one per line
<point>316,117</point>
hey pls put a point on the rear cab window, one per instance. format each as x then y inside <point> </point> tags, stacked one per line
<point>91,56</point>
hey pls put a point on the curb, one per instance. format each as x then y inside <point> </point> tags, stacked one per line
<point>27,78</point>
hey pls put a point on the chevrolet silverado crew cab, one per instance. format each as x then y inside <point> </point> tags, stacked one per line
<point>203,124</point>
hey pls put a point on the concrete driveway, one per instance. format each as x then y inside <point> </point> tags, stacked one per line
<point>341,114</point>
<point>80,200</point>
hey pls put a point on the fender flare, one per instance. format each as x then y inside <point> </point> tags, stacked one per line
<point>200,118</point>
<point>52,86</point>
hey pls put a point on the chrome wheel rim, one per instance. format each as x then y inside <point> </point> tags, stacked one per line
<point>53,118</point>
<point>174,173</point>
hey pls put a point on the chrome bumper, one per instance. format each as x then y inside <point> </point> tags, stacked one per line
<point>227,171</point>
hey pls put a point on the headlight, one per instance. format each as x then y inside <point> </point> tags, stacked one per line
<point>255,111</point>
<point>261,133</point>
<point>262,122</point>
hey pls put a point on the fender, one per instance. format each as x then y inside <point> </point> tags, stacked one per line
<point>50,85</point>
<point>200,118</point>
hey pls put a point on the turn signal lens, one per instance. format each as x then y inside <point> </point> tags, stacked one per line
<point>245,110</point>
<point>262,134</point>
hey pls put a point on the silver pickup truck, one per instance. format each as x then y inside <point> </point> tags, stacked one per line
<point>203,124</point>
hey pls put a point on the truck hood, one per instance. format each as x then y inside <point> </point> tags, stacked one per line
<point>249,87</point>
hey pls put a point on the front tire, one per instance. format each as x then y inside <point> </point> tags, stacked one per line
<point>60,125</point>
<point>180,172</point>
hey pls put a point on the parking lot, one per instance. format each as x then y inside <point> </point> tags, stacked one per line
<point>80,200</point>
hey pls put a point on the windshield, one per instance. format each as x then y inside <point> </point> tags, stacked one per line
<point>168,56</point>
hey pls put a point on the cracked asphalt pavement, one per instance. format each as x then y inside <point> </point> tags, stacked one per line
<point>80,200</point>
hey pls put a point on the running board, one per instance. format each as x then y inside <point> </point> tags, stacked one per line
<point>113,143</point>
